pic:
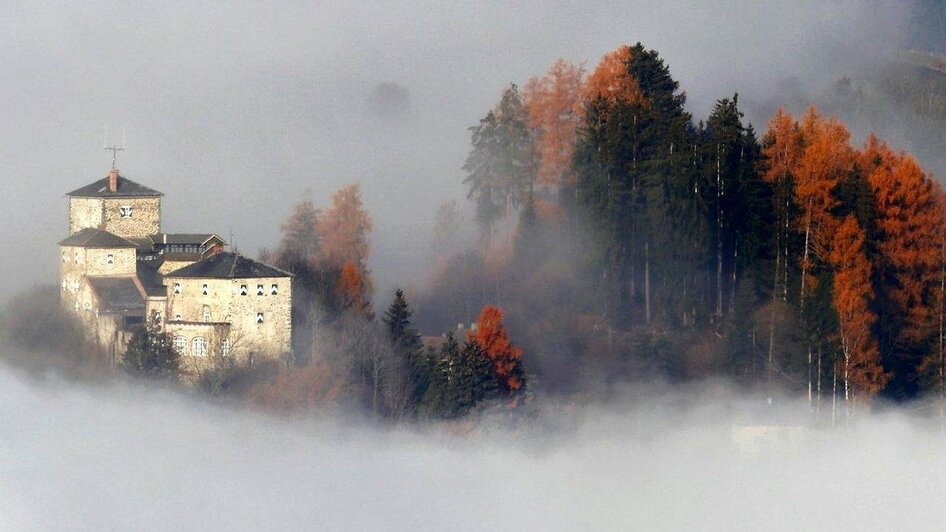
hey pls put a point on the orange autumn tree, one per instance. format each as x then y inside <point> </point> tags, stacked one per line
<point>343,231</point>
<point>493,338</point>
<point>826,160</point>
<point>860,364</point>
<point>783,147</point>
<point>554,106</point>
<point>611,80</point>
<point>909,221</point>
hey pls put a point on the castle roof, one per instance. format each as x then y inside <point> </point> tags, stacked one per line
<point>228,266</point>
<point>151,279</point>
<point>126,189</point>
<point>118,295</point>
<point>91,237</point>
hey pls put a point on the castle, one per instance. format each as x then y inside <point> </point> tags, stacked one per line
<point>120,271</point>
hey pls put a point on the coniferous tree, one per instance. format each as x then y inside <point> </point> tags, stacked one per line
<point>407,345</point>
<point>151,354</point>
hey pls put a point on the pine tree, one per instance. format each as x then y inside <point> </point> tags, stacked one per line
<point>407,345</point>
<point>151,354</point>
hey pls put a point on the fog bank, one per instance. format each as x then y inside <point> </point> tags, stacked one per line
<point>124,457</point>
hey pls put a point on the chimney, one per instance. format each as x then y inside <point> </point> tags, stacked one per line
<point>113,180</point>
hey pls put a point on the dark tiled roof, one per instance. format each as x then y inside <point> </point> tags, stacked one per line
<point>144,245</point>
<point>118,295</point>
<point>90,237</point>
<point>228,266</point>
<point>126,189</point>
<point>183,238</point>
<point>151,280</point>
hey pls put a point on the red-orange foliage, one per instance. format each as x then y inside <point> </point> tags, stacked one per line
<point>910,215</point>
<point>782,147</point>
<point>352,290</point>
<point>554,105</point>
<point>493,338</point>
<point>611,79</point>
<point>853,292</point>
<point>344,230</point>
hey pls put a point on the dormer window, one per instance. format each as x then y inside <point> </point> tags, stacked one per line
<point>274,290</point>
<point>206,290</point>
<point>125,211</point>
<point>243,290</point>
<point>110,258</point>
<point>259,317</point>
<point>177,288</point>
<point>259,290</point>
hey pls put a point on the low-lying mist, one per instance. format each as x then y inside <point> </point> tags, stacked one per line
<point>122,456</point>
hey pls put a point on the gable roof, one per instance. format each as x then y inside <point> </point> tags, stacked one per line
<point>92,237</point>
<point>126,189</point>
<point>228,266</point>
<point>118,295</point>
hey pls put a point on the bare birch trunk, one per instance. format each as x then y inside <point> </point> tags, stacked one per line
<point>834,396</point>
<point>647,282</point>
<point>719,238</point>
<point>804,261</point>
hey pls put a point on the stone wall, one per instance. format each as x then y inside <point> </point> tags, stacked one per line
<point>85,212</point>
<point>145,219</point>
<point>123,262</point>
<point>169,266</point>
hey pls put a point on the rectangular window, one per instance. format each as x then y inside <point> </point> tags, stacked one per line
<point>259,290</point>
<point>206,314</point>
<point>243,290</point>
<point>259,317</point>
<point>274,290</point>
<point>225,348</point>
<point>200,346</point>
<point>125,211</point>
<point>180,345</point>
<point>64,256</point>
<point>177,288</point>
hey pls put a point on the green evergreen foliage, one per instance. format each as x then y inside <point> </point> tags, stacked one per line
<point>150,353</point>
<point>461,380</point>
<point>501,165</point>
<point>407,346</point>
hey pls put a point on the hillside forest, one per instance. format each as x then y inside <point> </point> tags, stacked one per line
<point>620,239</point>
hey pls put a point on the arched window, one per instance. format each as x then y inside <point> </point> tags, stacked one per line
<point>200,347</point>
<point>180,345</point>
<point>206,289</point>
<point>225,348</point>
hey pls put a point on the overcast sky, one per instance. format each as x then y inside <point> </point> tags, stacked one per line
<point>236,112</point>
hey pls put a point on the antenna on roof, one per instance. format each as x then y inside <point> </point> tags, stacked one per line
<point>114,148</point>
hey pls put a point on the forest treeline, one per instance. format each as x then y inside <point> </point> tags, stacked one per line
<point>646,243</point>
<point>620,239</point>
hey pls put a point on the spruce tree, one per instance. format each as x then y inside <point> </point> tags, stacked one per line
<point>151,354</point>
<point>406,344</point>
